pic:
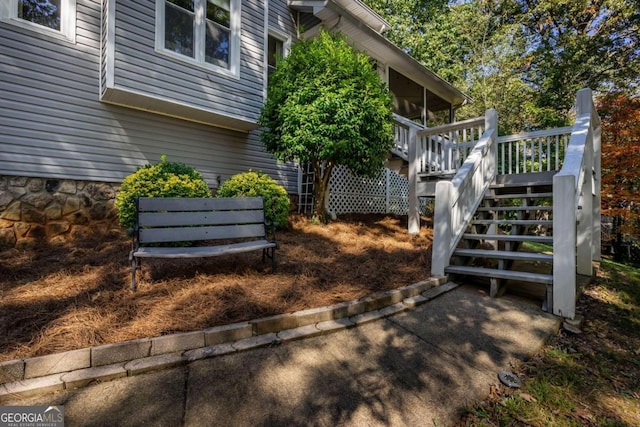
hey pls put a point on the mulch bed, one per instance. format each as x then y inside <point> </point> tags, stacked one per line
<point>58,297</point>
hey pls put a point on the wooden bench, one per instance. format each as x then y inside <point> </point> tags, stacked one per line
<point>222,226</point>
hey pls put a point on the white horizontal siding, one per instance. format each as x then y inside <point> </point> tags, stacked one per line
<point>140,69</point>
<point>281,18</point>
<point>52,124</point>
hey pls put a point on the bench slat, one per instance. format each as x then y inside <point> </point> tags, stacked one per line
<point>193,204</point>
<point>172,219</point>
<point>186,234</point>
<point>205,251</point>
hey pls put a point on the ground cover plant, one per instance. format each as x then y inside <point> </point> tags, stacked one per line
<point>590,378</point>
<point>57,297</point>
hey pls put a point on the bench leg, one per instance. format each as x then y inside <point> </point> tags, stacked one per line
<point>134,267</point>
<point>270,253</point>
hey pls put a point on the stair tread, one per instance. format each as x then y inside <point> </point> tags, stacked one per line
<point>520,256</point>
<point>512,221</point>
<point>500,274</point>
<point>523,184</point>
<point>518,196</point>
<point>514,208</point>
<point>507,237</point>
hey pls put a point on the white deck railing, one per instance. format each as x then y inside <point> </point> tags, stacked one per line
<point>539,151</point>
<point>403,129</point>
<point>576,207</point>
<point>443,149</point>
<point>457,200</point>
<point>438,152</point>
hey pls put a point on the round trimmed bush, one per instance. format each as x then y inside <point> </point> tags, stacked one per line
<point>164,179</point>
<point>258,184</point>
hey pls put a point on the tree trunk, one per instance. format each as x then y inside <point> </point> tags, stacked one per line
<point>321,175</point>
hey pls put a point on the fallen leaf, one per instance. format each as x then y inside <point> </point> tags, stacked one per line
<point>527,397</point>
<point>583,414</point>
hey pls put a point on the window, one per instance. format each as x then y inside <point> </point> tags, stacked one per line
<point>206,32</point>
<point>51,17</point>
<point>275,50</point>
<point>45,13</point>
<point>277,47</point>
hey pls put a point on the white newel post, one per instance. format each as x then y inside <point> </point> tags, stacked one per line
<point>491,122</point>
<point>564,245</point>
<point>584,237</point>
<point>441,229</point>
<point>597,177</point>
<point>414,205</point>
<point>585,223</point>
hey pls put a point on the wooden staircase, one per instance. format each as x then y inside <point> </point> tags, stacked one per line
<point>516,209</point>
<point>540,187</point>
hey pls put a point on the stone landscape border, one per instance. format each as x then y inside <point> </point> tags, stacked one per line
<point>33,376</point>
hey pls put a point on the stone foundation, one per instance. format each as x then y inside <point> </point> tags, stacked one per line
<point>36,209</point>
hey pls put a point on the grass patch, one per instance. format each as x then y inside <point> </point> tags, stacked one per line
<point>538,247</point>
<point>591,378</point>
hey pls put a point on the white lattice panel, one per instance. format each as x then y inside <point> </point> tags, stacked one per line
<point>386,193</point>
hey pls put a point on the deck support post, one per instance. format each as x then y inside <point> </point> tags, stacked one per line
<point>441,248</point>
<point>414,201</point>
<point>564,246</point>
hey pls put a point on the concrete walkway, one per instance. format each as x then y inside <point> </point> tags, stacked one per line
<point>416,368</point>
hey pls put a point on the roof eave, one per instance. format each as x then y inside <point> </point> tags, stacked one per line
<point>380,48</point>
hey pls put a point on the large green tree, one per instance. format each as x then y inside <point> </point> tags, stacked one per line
<point>469,46</point>
<point>578,43</point>
<point>526,58</point>
<point>326,105</point>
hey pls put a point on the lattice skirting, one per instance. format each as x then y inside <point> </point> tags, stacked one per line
<point>386,193</point>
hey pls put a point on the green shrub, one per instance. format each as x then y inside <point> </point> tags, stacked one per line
<point>256,184</point>
<point>164,179</point>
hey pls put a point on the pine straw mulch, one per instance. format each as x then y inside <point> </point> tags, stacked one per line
<point>58,297</point>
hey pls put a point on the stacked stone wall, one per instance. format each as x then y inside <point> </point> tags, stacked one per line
<point>36,209</point>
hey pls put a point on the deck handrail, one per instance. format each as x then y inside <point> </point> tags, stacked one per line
<point>443,149</point>
<point>457,200</point>
<point>536,151</point>
<point>576,207</point>
<point>402,135</point>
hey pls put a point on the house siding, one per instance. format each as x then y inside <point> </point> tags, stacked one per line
<point>139,68</point>
<point>281,17</point>
<point>53,125</point>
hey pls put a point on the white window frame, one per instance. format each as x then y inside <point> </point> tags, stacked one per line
<point>234,39</point>
<point>286,45</point>
<point>9,13</point>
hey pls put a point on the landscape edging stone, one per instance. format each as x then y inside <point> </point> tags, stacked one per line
<point>134,357</point>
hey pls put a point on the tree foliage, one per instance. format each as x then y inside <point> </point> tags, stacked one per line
<point>326,105</point>
<point>578,43</point>
<point>526,58</point>
<point>620,160</point>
